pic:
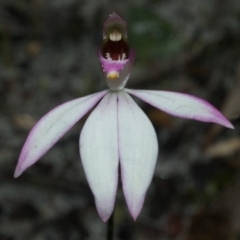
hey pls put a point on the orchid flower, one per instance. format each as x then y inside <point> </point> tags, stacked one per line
<point>117,133</point>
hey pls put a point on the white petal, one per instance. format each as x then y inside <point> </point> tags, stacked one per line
<point>99,153</point>
<point>51,127</point>
<point>138,149</point>
<point>182,105</point>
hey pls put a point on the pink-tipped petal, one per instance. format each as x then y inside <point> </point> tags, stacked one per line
<point>99,154</point>
<point>51,127</point>
<point>138,149</point>
<point>182,105</point>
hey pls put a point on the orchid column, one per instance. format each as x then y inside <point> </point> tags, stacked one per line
<point>117,134</point>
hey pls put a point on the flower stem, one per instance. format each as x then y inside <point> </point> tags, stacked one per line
<point>110,227</point>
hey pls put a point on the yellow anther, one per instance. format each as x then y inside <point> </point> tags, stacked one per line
<point>115,35</point>
<point>113,75</point>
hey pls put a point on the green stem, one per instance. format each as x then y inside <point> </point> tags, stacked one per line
<point>110,227</point>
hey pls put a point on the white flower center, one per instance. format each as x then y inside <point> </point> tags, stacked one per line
<point>115,35</point>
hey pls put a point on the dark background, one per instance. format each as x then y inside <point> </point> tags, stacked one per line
<point>48,55</point>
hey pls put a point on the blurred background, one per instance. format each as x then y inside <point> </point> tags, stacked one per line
<point>48,55</point>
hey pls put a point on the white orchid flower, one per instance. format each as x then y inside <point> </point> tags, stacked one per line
<point>117,134</point>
